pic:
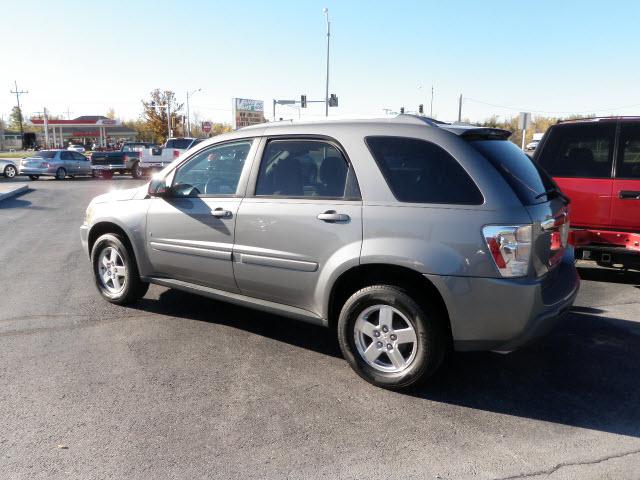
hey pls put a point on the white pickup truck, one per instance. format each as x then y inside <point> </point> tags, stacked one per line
<point>153,159</point>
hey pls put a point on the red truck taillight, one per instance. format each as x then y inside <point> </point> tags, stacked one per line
<point>510,248</point>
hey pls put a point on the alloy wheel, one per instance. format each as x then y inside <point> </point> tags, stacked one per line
<point>385,339</point>
<point>112,271</point>
<point>10,171</point>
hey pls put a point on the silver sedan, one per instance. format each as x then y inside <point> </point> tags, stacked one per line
<point>8,167</point>
<point>55,163</point>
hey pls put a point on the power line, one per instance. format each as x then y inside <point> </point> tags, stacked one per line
<point>524,109</point>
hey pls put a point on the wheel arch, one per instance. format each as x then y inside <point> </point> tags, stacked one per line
<point>364,275</point>
<point>104,227</point>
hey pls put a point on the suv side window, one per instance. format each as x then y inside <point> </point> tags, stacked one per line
<point>581,150</point>
<point>418,171</point>
<point>213,171</point>
<point>305,168</point>
<point>628,163</point>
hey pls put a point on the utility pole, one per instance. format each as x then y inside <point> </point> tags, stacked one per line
<point>431,109</point>
<point>326,94</point>
<point>18,93</point>
<point>460,109</point>
<point>46,127</point>
<point>169,132</point>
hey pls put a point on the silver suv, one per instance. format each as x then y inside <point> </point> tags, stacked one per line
<point>409,236</point>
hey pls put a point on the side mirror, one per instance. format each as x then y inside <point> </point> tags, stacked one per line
<point>158,188</point>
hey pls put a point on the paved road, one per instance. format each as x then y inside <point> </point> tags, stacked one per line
<point>185,387</point>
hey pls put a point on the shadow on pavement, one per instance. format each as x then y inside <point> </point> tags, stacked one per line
<point>17,202</point>
<point>584,374</point>
<point>610,275</point>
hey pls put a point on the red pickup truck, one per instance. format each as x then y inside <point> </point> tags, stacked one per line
<point>596,163</point>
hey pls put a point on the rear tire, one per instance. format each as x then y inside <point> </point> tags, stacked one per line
<point>10,171</point>
<point>390,339</point>
<point>61,173</point>
<point>115,271</point>
<point>136,171</point>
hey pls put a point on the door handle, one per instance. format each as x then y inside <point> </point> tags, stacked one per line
<point>333,216</point>
<point>629,195</point>
<point>221,213</point>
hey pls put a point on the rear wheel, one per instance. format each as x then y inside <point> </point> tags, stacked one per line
<point>10,171</point>
<point>61,173</point>
<point>115,271</point>
<point>390,339</point>
<point>136,171</point>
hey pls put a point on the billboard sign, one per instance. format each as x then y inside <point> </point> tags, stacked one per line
<point>247,112</point>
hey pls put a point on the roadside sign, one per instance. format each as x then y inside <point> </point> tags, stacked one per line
<point>524,120</point>
<point>247,112</point>
<point>206,127</point>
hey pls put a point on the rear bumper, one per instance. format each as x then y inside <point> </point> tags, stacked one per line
<point>594,239</point>
<point>153,165</point>
<point>101,168</point>
<point>504,314</point>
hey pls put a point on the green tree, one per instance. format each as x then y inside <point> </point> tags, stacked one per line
<point>154,114</point>
<point>15,118</point>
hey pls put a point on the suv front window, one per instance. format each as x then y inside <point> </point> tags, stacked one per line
<point>212,171</point>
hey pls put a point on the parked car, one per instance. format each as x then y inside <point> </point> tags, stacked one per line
<point>126,160</point>
<point>55,163</point>
<point>596,163</point>
<point>8,167</point>
<point>156,158</point>
<point>407,235</point>
<point>531,146</point>
<point>76,148</point>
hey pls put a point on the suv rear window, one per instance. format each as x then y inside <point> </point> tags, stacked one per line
<point>581,150</point>
<point>516,168</point>
<point>418,171</point>
<point>181,143</point>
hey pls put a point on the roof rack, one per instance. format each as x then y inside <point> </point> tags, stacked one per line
<point>432,122</point>
<point>598,119</point>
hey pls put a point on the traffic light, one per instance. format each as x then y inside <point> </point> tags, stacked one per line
<point>421,109</point>
<point>333,100</point>
<point>303,101</point>
<point>401,110</point>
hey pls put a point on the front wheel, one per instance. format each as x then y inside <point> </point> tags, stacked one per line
<point>390,339</point>
<point>61,173</point>
<point>115,271</point>
<point>10,171</point>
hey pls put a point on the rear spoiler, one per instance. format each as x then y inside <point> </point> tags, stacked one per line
<point>485,134</point>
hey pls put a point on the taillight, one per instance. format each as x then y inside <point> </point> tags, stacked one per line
<point>510,248</point>
<point>558,228</point>
<point>176,153</point>
<point>45,165</point>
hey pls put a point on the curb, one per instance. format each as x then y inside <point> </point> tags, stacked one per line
<point>14,192</point>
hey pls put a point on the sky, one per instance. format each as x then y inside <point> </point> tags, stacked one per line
<point>548,57</point>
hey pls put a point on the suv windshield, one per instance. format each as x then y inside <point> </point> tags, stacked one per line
<point>45,154</point>
<point>517,169</point>
<point>181,143</point>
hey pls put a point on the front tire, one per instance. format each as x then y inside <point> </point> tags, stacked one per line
<point>10,171</point>
<point>389,338</point>
<point>61,173</point>
<point>115,271</point>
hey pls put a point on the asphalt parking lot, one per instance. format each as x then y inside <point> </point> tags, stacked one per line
<point>186,387</point>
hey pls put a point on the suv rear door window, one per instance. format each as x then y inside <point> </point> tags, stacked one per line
<point>628,163</point>
<point>580,150</point>
<point>418,171</point>
<point>179,143</point>
<point>305,168</point>
<point>517,169</point>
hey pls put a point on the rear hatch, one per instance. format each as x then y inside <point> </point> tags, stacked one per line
<point>541,197</point>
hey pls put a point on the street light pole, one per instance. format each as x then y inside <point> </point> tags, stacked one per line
<point>326,95</point>
<point>188,113</point>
